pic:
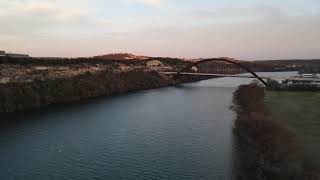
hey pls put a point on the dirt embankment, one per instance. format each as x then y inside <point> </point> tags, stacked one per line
<point>267,149</point>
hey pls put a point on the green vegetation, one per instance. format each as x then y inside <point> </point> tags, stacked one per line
<point>301,112</point>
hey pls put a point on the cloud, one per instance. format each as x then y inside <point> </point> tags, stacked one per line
<point>33,18</point>
<point>155,3</point>
<point>83,27</point>
<point>295,38</point>
<point>44,8</point>
<point>268,38</point>
<point>256,13</point>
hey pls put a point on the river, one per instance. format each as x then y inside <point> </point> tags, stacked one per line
<point>182,132</point>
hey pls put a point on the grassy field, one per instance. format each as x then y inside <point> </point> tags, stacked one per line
<point>301,111</point>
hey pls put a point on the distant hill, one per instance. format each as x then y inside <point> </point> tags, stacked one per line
<point>291,62</point>
<point>303,65</point>
<point>122,56</point>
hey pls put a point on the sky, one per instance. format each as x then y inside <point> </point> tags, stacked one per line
<point>243,29</point>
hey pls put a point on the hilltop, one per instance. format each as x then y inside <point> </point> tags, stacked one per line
<point>122,56</point>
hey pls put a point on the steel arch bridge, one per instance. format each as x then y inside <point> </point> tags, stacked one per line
<point>228,60</point>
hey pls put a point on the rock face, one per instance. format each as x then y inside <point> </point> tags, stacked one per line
<point>27,83</point>
<point>17,96</point>
<point>26,95</point>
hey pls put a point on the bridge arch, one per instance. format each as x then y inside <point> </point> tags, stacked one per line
<point>224,60</point>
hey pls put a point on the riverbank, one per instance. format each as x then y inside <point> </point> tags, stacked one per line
<point>17,96</point>
<point>27,83</point>
<point>267,148</point>
<point>182,132</point>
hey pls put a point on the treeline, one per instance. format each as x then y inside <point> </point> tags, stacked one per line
<point>304,66</point>
<point>266,148</point>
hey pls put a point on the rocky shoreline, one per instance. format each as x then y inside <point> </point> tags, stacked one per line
<point>267,149</point>
<point>27,83</point>
<point>19,96</point>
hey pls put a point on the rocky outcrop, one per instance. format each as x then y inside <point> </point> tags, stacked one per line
<point>21,96</point>
<point>27,83</point>
<point>26,95</point>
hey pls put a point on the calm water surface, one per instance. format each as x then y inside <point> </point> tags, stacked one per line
<point>182,132</point>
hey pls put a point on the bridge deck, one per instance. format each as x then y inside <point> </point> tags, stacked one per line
<point>298,79</point>
<point>208,74</point>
